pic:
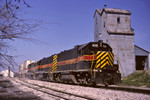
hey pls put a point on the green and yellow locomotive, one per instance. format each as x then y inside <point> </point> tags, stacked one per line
<point>90,63</point>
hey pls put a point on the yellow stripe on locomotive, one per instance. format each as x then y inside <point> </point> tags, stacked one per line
<point>104,59</point>
<point>54,63</point>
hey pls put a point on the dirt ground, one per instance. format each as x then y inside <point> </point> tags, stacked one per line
<point>8,91</point>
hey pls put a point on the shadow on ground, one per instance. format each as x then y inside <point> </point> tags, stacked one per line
<point>8,91</point>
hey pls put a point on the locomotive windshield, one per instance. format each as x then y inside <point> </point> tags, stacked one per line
<point>31,65</point>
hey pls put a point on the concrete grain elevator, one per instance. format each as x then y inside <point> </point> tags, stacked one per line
<point>113,26</point>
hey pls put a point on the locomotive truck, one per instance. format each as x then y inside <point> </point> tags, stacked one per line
<point>90,63</point>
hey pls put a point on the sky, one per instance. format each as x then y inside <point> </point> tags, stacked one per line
<point>70,22</point>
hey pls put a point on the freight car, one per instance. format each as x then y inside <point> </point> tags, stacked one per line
<point>90,63</point>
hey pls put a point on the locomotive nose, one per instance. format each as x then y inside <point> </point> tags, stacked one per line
<point>104,59</point>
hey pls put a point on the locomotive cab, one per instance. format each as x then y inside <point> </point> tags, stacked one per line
<point>31,70</point>
<point>100,63</point>
<point>94,46</point>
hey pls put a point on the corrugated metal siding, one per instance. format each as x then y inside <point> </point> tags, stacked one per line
<point>139,51</point>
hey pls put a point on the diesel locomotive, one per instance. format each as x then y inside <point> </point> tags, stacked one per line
<point>90,63</point>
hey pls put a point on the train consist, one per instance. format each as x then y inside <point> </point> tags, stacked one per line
<point>90,63</point>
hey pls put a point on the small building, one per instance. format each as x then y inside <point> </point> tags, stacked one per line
<point>16,74</point>
<point>142,59</point>
<point>7,73</point>
<point>23,68</point>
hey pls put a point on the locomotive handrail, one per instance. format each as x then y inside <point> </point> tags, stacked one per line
<point>120,67</point>
<point>92,62</point>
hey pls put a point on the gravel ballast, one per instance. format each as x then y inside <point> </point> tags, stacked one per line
<point>95,93</point>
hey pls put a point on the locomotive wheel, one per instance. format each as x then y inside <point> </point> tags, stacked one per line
<point>50,77</point>
<point>106,84</point>
<point>92,83</point>
<point>58,78</point>
<point>47,78</point>
<point>34,75</point>
<point>117,79</point>
<point>83,78</point>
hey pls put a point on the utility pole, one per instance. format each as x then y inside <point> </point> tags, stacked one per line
<point>8,71</point>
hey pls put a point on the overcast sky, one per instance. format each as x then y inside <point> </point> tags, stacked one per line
<point>71,22</point>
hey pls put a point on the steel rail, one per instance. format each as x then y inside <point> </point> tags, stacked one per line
<point>59,91</point>
<point>117,87</point>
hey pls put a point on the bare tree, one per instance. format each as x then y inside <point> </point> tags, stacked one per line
<point>12,27</point>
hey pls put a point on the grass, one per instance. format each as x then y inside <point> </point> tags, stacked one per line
<point>138,78</point>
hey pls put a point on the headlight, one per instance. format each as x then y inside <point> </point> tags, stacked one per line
<point>95,45</point>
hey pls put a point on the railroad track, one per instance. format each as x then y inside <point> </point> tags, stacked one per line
<point>120,88</point>
<point>54,93</point>
<point>68,91</point>
<point>127,89</point>
<point>117,87</point>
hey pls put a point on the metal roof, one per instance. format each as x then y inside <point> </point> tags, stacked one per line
<point>128,32</point>
<point>141,48</point>
<point>112,11</point>
<point>82,46</point>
